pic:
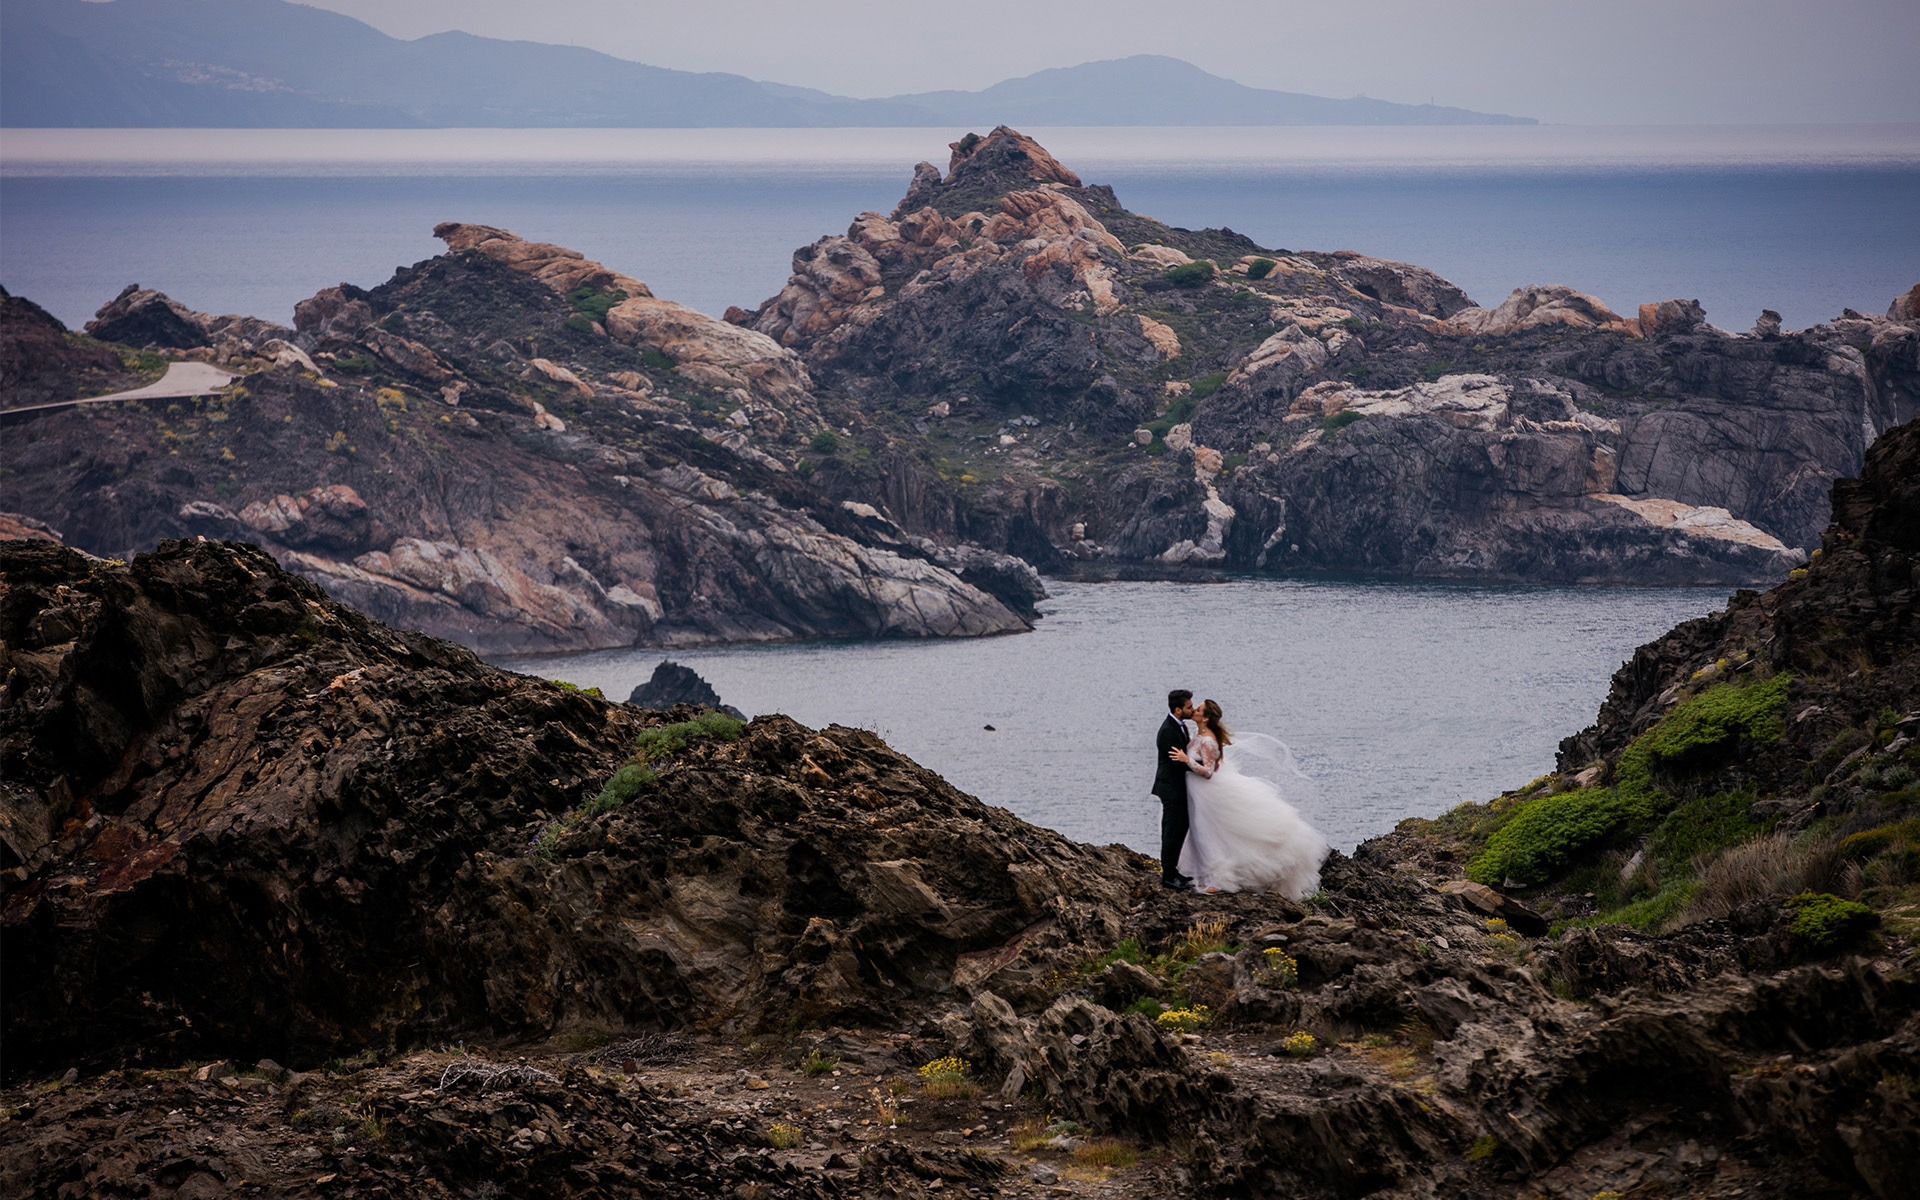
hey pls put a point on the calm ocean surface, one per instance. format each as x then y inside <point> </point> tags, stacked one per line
<point>1805,220</point>
<point>1398,699</point>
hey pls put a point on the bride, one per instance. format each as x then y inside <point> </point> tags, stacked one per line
<point>1245,837</point>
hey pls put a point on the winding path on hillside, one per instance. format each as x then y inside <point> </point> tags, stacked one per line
<point>181,380</point>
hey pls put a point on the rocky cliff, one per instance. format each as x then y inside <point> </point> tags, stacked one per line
<point>1032,361</point>
<point>245,824</point>
<point>509,445</point>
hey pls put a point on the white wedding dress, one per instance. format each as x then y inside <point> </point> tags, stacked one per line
<point>1244,836</point>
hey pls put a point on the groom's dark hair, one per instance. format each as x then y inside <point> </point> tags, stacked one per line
<point>1177,697</point>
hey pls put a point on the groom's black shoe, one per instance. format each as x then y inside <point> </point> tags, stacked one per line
<point>1182,884</point>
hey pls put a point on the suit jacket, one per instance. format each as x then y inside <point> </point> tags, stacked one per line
<point>1170,777</point>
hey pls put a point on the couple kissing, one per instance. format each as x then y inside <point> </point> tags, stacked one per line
<point>1225,822</point>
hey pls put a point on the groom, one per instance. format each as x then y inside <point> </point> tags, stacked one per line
<point>1170,785</point>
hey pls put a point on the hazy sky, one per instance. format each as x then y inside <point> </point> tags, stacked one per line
<point>1581,61</point>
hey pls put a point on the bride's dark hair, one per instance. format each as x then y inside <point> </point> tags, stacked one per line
<point>1210,712</point>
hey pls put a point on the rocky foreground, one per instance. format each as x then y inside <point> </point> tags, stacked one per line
<point>518,448</point>
<point>300,904</point>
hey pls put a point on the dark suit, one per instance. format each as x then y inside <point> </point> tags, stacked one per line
<point>1170,784</point>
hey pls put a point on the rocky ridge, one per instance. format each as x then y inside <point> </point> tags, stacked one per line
<point>420,450</point>
<point>242,820</point>
<point>1033,363</point>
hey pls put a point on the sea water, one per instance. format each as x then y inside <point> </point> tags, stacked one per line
<point>1399,699</point>
<point>1805,220</point>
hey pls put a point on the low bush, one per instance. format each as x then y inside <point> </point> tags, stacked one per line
<point>1704,825</point>
<point>1333,424</point>
<point>593,303</point>
<point>825,442</point>
<point>1183,1020</point>
<point>1260,268</point>
<point>1702,732</point>
<point>1545,834</point>
<point>817,1063</point>
<point>1190,275</point>
<point>1277,969</point>
<point>1300,1044</point>
<point>782,1136</point>
<point>949,1079</point>
<point>1824,921</point>
<point>654,748</point>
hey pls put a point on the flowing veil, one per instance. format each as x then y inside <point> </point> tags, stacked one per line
<point>1245,833</point>
<point>1264,756</point>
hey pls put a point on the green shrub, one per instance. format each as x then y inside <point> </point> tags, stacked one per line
<point>1902,836</point>
<point>1825,921</point>
<point>592,303</point>
<point>825,442</point>
<point>1650,913</point>
<point>662,742</point>
<point>622,787</point>
<point>1704,824</point>
<point>1483,1147</point>
<point>1331,426</point>
<point>1147,1007</point>
<point>1206,386</point>
<point>1190,275</point>
<point>1703,731</point>
<point>1260,268</point>
<point>353,364</point>
<point>1545,833</point>
<point>656,359</point>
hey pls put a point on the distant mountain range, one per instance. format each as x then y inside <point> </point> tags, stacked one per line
<point>271,64</point>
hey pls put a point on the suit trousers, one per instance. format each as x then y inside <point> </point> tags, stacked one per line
<point>1173,835</point>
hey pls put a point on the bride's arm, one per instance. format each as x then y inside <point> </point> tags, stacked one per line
<point>1205,762</point>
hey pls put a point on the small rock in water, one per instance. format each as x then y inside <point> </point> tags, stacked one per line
<point>674,684</point>
<point>989,729</point>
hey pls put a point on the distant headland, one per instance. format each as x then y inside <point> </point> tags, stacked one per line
<point>277,65</point>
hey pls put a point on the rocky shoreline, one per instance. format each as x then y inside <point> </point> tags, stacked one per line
<point>300,904</point>
<point>521,449</point>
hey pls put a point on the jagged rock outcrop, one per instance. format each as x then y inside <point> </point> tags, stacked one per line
<point>38,363</point>
<point>147,318</point>
<point>709,351</point>
<point>239,814</point>
<point>1644,448</point>
<point>465,451</point>
<point>672,684</point>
